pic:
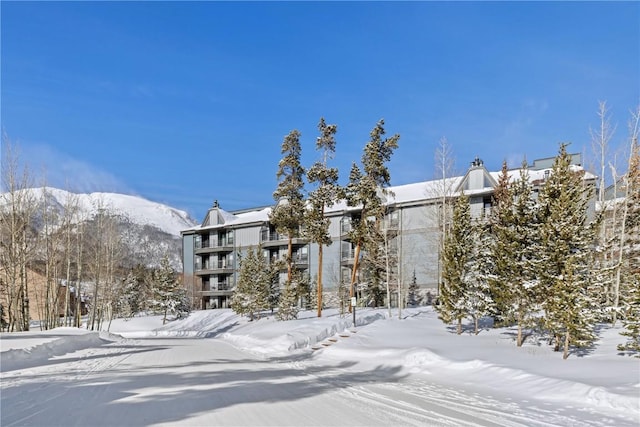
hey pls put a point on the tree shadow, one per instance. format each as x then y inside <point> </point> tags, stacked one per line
<point>468,326</point>
<point>146,395</point>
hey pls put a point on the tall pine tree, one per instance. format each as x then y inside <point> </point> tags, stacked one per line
<point>479,271</point>
<point>456,257</point>
<point>325,195</point>
<point>288,214</point>
<point>563,268</point>
<point>501,248</point>
<point>630,250</point>
<point>365,190</point>
<point>513,223</point>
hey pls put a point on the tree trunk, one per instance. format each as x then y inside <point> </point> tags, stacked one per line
<point>566,345</point>
<point>319,293</point>
<point>459,325</point>
<point>352,291</point>
<point>519,340</point>
<point>289,259</point>
<point>388,275</point>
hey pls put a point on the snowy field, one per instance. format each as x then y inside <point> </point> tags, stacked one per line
<point>215,368</point>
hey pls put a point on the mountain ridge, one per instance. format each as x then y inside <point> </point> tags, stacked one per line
<point>136,209</point>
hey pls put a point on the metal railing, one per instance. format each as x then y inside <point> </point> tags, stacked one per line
<point>210,244</point>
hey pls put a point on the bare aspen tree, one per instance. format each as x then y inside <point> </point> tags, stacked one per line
<point>67,229</point>
<point>604,254</point>
<point>631,185</point>
<point>600,141</point>
<point>17,208</point>
<point>79,261</point>
<point>103,249</point>
<point>444,167</point>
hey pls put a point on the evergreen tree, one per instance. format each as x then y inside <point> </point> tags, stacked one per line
<point>478,294</point>
<point>343,297</point>
<point>456,257</point>
<point>502,246</point>
<point>274,285</point>
<point>325,195</point>
<point>413,297</point>
<point>526,244</point>
<point>513,247</point>
<point>288,304</point>
<point>251,294</point>
<point>288,214</point>
<point>365,191</point>
<point>169,297</point>
<point>631,320</point>
<point>130,296</point>
<point>563,267</point>
<point>630,253</point>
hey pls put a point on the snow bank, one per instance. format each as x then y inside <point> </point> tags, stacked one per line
<point>21,358</point>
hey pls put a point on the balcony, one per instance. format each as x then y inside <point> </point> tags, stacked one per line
<point>347,257</point>
<point>206,246</point>
<point>269,238</point>
<point>226,284</point>
<point>208,268</point>
<point>391,223</point>
<point>216,293</point>
<point>301,260</point>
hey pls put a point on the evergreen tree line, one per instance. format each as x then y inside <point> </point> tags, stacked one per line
<point>299,213</point>
<point>540,263</point>
<point>69,265</point>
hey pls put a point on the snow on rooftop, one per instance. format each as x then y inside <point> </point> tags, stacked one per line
<point>406,193</point>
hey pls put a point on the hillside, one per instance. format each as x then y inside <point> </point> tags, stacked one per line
<point>148,229</point>
<point>136,209</point>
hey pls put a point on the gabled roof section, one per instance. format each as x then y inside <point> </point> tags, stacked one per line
<point>476,179</point>
<point>217,216</point>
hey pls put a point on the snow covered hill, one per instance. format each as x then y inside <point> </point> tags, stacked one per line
<point>148,229</point>
<point>137,209</point>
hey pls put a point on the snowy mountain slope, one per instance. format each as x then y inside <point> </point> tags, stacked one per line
<point>136,209</point>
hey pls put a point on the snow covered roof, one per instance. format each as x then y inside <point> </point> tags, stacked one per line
<point>418,192</point>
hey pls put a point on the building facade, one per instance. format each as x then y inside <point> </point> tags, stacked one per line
<point>413,223</point>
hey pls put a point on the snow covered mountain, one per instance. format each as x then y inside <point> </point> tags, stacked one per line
<point>136,209</point>
<point>149,230</point>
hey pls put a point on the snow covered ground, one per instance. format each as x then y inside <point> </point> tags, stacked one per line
<point>215,368</point>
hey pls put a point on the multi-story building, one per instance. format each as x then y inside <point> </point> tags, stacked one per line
<point>413,223</point>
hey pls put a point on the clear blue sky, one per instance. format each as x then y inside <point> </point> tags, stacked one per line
<point>185,103</point>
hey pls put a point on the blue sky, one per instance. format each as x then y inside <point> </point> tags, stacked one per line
<point>185,103</point>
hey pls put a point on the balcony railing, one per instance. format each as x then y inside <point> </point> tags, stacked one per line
<point>301,259</point>
<point>270,236</point>
<point>212,245</point>
<point>347,254</point>
<point>217,286</point>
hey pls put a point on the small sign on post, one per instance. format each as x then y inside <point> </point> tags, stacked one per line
<point>353,301</point>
